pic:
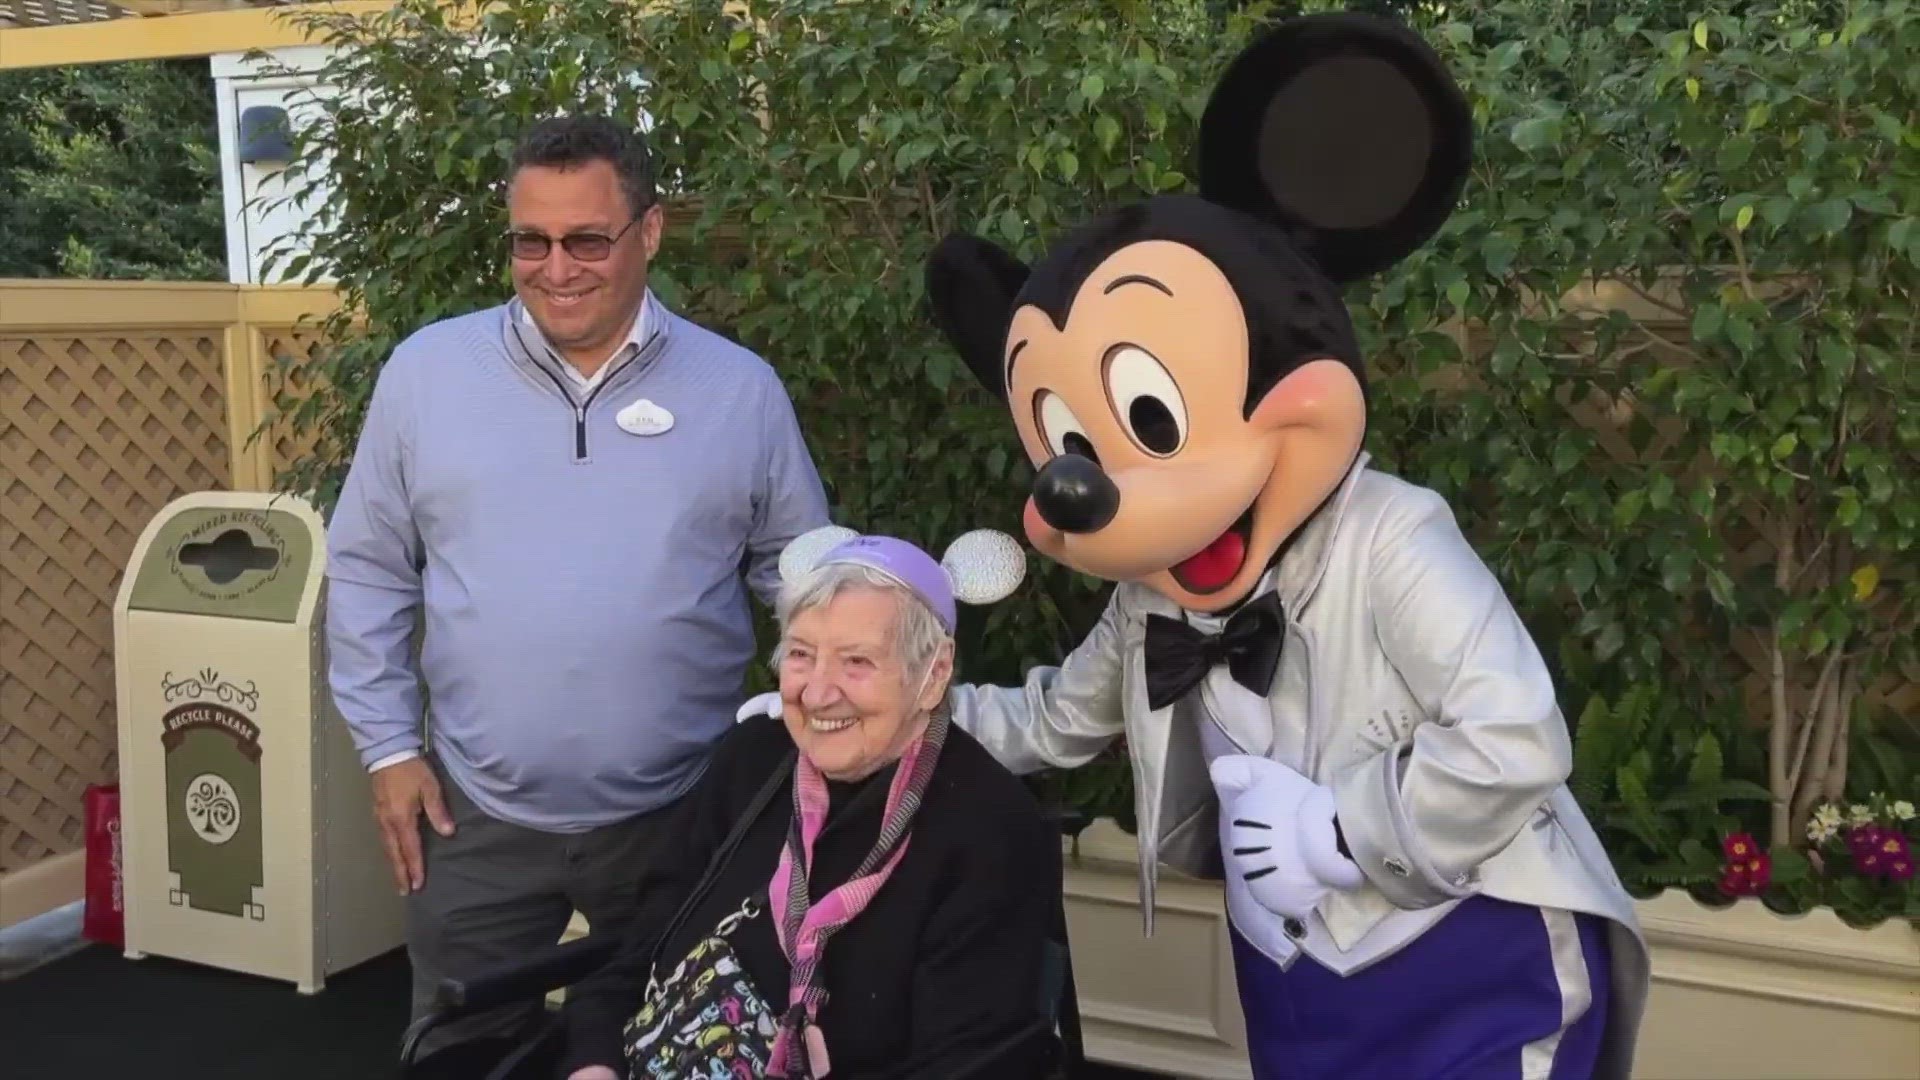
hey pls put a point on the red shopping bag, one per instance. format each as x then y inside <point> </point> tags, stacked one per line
<point>103,919</point>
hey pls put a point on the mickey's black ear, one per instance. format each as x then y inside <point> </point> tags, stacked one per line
<point>1347,129</point>
<point>971,283</point>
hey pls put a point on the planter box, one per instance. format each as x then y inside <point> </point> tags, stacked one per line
<point>1739,993</point>
<point>1165,1003</point>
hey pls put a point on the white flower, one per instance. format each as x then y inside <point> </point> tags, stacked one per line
<point>1859,815</point>
<point>1903,811</point>
<point>1824,823</point>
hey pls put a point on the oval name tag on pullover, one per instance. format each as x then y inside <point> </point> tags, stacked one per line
<point>643,417</point>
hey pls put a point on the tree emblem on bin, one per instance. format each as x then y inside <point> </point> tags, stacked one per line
<point>213,808</point>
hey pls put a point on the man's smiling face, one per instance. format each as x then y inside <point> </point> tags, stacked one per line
<point>584,308</point>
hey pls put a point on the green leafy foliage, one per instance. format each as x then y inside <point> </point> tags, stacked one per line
<point>1687,227</point>
<point>110,171</point>
<point>1683,437</point>
<point>1657,788</point>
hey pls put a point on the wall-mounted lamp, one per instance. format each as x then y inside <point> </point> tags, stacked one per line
<point>266,138</point>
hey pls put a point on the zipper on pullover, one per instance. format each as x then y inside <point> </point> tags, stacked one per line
<point>579,414</point>
<point>580,408</point>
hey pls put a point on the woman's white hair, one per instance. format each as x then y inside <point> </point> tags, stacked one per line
<point>916,634</point>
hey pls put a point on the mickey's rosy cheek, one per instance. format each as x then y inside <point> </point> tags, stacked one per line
<point>1319,394</point>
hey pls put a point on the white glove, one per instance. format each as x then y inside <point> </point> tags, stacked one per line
<point>1276,834</point>
<point>767,704</point>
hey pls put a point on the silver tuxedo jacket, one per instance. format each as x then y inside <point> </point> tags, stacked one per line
<point>1428,710</point>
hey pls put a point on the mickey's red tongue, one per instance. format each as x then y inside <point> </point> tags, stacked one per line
<point>1216,564</point>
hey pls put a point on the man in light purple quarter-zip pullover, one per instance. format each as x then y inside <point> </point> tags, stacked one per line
<point>574,493</point>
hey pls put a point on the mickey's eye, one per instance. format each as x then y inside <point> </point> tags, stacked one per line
<point>1059,428</point>
<point>1147,401</point>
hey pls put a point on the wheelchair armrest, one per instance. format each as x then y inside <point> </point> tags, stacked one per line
<point>559,966</point>
<point>551,969</point>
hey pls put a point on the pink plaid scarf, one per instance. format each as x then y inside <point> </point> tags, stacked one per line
<point>804,931</point>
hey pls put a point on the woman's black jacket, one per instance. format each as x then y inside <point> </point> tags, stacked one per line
<point>942,968</point>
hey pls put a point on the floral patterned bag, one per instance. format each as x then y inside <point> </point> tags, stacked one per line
<point>705,1021</point>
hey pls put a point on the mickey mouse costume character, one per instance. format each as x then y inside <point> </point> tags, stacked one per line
<point>1327,697</point>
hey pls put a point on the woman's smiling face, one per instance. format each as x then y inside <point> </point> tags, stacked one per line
<point>847,697</point>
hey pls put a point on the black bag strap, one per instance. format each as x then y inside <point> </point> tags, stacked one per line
<point>776,782</point>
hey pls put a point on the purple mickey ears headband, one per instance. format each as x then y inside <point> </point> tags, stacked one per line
<point>979,567</point>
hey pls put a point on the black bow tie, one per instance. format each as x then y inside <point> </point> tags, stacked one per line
<point>1179,656</point>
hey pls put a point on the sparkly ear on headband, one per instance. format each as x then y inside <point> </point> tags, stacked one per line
<point>983,566</point>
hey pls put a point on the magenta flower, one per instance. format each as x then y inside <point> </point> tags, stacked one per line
<point>1881,852</point>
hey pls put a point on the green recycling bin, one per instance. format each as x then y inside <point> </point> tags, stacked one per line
<point>248,835</point>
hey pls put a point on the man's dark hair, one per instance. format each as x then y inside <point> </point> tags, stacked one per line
<point>565,142</point>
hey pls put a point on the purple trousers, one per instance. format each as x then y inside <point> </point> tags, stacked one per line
<point>1476,996</point>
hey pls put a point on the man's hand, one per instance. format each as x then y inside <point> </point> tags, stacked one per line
<point>400,792</point>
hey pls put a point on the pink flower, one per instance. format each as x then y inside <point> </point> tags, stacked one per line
<point>1900,869</point>
<point>1733,881</point>
<point>1738,846</point>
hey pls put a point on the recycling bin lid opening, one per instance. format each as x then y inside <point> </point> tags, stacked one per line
<point>228,555</point>
<point>229,561</point>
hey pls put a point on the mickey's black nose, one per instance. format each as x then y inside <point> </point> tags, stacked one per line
<point>1074,495</point>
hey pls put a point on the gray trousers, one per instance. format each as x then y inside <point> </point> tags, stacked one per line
<point>497,893</point>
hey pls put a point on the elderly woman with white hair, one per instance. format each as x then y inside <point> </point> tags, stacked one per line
<point>856,889</point>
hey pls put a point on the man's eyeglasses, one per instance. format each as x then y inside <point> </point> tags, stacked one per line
<point>584,246</point>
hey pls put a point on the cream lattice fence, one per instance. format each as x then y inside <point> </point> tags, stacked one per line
<point>115,397</point>
<point>284,350</point>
